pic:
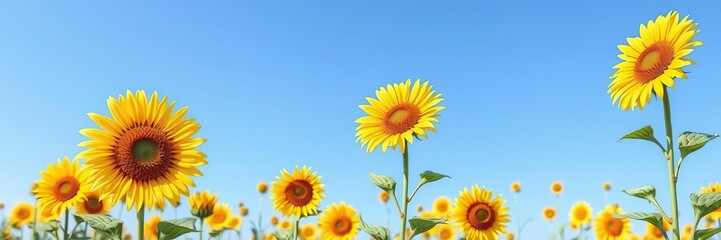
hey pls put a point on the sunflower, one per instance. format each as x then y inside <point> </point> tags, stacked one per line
<point>92,204</point>
<point>62,186</point>
<point>274,221</point>
<point>399,113</point>
<point>446,232</point>
<point>427,215</point>
<point>285,224</point>
<point>243,211</point>
<point>581,213</point>
<point>478,216</point>
<point>47,216</point>
<point>442,207</point>
<point>653,233</point>
<point>297,194</point>
<point>220,217</point>
<point>549,213</point>
<point>609,227</point>
<point>235,222</point>
<point>383,196</point>
<point>202,204</point>
<point>510,236</point>
<point>652,61</point>
<point>145,152</point>
<point>262,187</point>
<point>516,186</point>
<point>339,222</point>
<point>687,229</point>
<point>606,186</point>
<point>151,227</point>
<point>713,187</point>
<point>308,232</point>
<point>557,188</point>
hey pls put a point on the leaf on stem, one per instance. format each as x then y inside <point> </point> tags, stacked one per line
<point>111,227</point>
<point>642,192</point>
<point>421,225</point>
<point>705,203</point>
<point>377,232</point>
<point>689,142</point>
<point>704,234</point>
<point>174,228</point>
<point>644,133</point>
<point>652,218</point>
<point>384,182</point>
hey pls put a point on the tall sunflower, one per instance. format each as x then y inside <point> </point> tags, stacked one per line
<point>397,114</point>
<point>220,218</point>
<point>611,228</point>
<point>21,214</point>
<point>339,222</point>
<point>92,204</point>
<point>652,61</point>
<point>62,186</point>
<point>581,213</point>
<point>144,152</point>
<point>297,194</point>
<point>478,216</point>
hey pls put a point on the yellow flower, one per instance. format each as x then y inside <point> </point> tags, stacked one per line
<point>151,227</point>
<point>274,220</point>
<point>434,230</point>
<point>713,187</point>
<point>145,152</point>
<point>262,187</point>
<point>606,186</point>
<point>573,226</point>
<point>516,186</point>
<point>557,188</point>
<point>62,186</point>
<point>285,224</point>
<point>383,197</point>
<point>220,217</point>
<point>446,232</point>
<point>652,61</point>
<point>202,204</point>
<point>234,222</point>
<point>308,232</point>
<point>442,207</point>
<point>399,113</point>
<point>549,213</point>
<point>653,233</point>
<point>92,204</point>
<point>510,236</point>
<point>269,236</point>
<point>297,194</point>
<point>609,227</point>
<point>339,222</point>
<point>47,216</point>
<point>244,211</point>
<point>478,216</point>
<point>687,228</point>
<point>581,213</point>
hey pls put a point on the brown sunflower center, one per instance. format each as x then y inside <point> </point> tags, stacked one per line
<point>580,213</point>
<point>308,232</point>
<point>446,233</point>
<point>653,61</point>
<point>614,227</point>
<point>442,206</point>
<point>144,153</point>
<point>401,118</point>
<point>93,204</point>
<point>549,213</point>
<point>299,192</point>
<point>480,216</point>
<point>66,188</point>
<point>23,213</point>
<point>557,187</point>
<point>342,226</point>
<point>219,217</point>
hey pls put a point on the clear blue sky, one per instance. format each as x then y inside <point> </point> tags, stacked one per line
<point>278,84</point>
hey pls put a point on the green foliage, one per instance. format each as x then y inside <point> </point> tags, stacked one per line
<point>377,232</point>
<point>705,203</point>
<point>112,228</point>
<point>283,234</point>
<point>421,225</point>
<point>652,218</point>
<point>644,133</point>
<point>384,182</point>
<point>174,228</point>
<point>646,192</point>
<point>704,234</point>
<point>689,142</point>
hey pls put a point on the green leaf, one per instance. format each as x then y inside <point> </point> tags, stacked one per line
<point>111,227</point>
<point>47,227</point>
<point>653,218</point>
<point>705,203</point>
<point>647,192</point>
<point>689,142</point>
<point>377,232</point>
<point>704,234</point>
<point>421,225</point>
<point>283,234</point>
<point>384,182</point>
<point>429,176</point>
<point>174,228</point>
<point>644,133</point>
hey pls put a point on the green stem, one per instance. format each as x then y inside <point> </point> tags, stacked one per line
<point>67,224</point>
<point>200,230</point>
<point>660,210</point>
<point>678,167</point>
<point>404,214</point>
<point>140,215</point>
<point>295,228</point>
<point>398,206</point>
<point>423,181</point>
<point>35,220</point>
<point>670,163</point>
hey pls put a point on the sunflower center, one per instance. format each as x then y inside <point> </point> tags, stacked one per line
<point>401,118</point>
<point>144,153</point>
<point>446,233</point>
<point>653,61</point>
<point>442,207</point>
<point>93,205</point>
<point>66,188</point>
<point>299,192</point>
<point>342,226</point>
<point>219,217</point>
<point>557,187</point>
<point>550,214</point>
<point>23,213</point>
<point>614,227</point>
<point>580,213</point>
<point>480,216</point>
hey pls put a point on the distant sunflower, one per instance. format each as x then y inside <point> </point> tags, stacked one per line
<point>713,187</point>
<point>653,233</point>
<point>297,194</point>
<point>383,196</point>
<point>47,216</point>
<point>93,204</point>
<point>285,224</point>
<point>557,188</point>
<point>510,236</point>
<point>308,232</point>
<point>235,222</point>
<point>442,207</point>
<point>339,222</point>
<point>434,230</point>
<point>274,221</point>
<point>581,213</point>
<point>611,228</point>
<point>446,232</point>
<point>202,204</point>
<point>145,152</point>
<point>606,186</point>
<point>262,187</point>
<point>479,216</point>
<point>220,217</point>
<point>62,186</point>
<point>516,186</point>
<point>549,213</point>
<point>151,227</point>
<point>397,114</point>
<point>652,61</point>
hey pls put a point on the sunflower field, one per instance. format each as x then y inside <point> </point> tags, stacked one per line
<point>524,155</point>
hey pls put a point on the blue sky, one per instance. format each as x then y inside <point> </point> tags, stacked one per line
<point>278,84</point>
